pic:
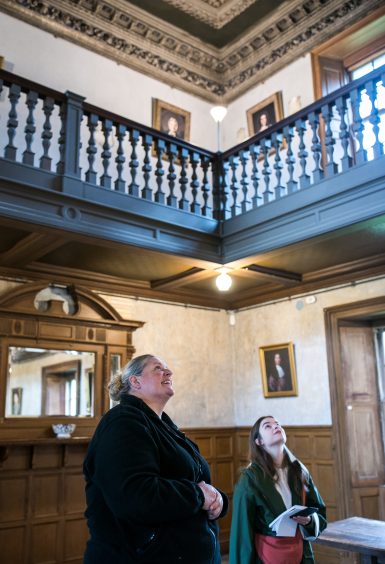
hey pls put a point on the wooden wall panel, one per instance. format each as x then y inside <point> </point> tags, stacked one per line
<point>42,490</point>
<point>13,499</point>
<point>75,539</point>
<point>44,540</point>
<point>218,447</point>
<point>74,500</point>
<point>74,456</point>
<point>47,456</point>
<point>366,500</point>
<point>42,503</point>
<point>46,491</point>
<point>13,544</point>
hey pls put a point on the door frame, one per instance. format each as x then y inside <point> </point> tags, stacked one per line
<point>366,310</point>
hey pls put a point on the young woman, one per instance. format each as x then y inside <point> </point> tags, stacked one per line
<point>148,491</point>
<point>273,482</point>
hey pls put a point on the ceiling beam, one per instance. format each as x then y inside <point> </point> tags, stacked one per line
<point>30,248</point>
<point>192,275</point>
<point>273,274</point>
<point>104,283</point>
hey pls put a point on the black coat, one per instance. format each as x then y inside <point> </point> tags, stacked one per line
<point>143,502</point>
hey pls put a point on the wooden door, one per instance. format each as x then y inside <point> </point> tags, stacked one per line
<point>332,75</point>
<point>55,395</point>
<point>364,445</point>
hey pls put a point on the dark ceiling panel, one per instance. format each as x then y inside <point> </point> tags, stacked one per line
<point>9,237</point>
<point>122,262</point>
<point>346,245</point>
<point>217,37</point>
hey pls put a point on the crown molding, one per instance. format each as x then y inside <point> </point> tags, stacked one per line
<point>132,37</point>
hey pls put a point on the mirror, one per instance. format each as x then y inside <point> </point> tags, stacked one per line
<point>46,382</point>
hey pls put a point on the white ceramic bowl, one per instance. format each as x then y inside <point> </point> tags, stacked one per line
<point>63,430</point>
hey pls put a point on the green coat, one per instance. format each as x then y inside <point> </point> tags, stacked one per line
<point>256,503</point>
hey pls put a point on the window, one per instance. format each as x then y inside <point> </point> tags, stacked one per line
<point>366,105</point>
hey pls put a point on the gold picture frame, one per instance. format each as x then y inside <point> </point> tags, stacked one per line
<point>279,377</point>
<point>171,120</point>
<point>265,114</point>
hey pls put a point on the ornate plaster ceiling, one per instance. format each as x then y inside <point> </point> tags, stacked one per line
<point>215,13</point>
<point>215,49</point>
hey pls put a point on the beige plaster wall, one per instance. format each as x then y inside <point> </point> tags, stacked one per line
<point>62,65</point>
<point>296,94</point>
<point>196,344</point>
<point>216,366</point>
<point>57,63</point>
<point>281,323</point>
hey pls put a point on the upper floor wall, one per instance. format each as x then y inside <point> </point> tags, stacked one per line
<point>61,65</point>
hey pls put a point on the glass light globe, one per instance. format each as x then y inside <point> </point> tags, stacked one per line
<point>218,113</point>
<point>223,282</point>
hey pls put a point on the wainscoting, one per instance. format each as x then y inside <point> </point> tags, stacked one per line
<point>227,452</point>
<point>42,503</point>
<point>42,489</point>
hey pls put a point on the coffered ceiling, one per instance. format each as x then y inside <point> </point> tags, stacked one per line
<point>346,256</point>
<point>216,49</point>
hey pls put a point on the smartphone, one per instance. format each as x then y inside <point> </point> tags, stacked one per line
<point>305,512</point>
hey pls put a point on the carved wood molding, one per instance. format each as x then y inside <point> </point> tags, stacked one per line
<point>93,310</point>
<point>147,44</point>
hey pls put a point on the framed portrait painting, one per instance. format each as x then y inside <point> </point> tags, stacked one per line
<point>278,370</point>
<point>171,120</point>
<point>16,401</point>
<point>265,114</point>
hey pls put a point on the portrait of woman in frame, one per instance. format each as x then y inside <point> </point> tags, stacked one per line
<point>278,370</point>
<point>171,120</point>
<point>265,114</point>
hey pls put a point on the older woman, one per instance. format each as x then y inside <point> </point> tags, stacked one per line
<point>149,498</point>
<point>273,482</point>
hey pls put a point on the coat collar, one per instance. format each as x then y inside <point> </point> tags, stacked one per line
<point>133,401</point>
<point>267,489</point>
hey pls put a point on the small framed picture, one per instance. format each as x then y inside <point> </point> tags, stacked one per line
<point>278,370</point>
<point>265,114</point>
<point>16,401</point>
<point>171,120</point>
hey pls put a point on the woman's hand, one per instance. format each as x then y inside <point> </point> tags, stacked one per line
<point>216,507</point>
<point>210,494</point>
<point>213,503</point>
<point>302,520</point>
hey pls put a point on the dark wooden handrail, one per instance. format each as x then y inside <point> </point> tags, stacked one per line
<point>344,91</point>
<point>84,145</point>
<point>90,109</point>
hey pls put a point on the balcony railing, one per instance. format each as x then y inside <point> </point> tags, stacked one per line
<point>81,146</point>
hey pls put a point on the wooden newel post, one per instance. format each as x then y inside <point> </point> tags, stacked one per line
<point>71,183</point>
<point>220,188</point>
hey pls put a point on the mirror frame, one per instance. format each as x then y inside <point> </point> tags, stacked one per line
<point>95,327</point>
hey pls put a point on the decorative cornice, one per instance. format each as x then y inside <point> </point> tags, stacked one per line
<point>215,13</point>
<point>130,36</point>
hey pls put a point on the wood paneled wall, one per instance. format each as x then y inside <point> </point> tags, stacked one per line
<point>218,446</point>
<point>42,490</point>
<point>42,503</point>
